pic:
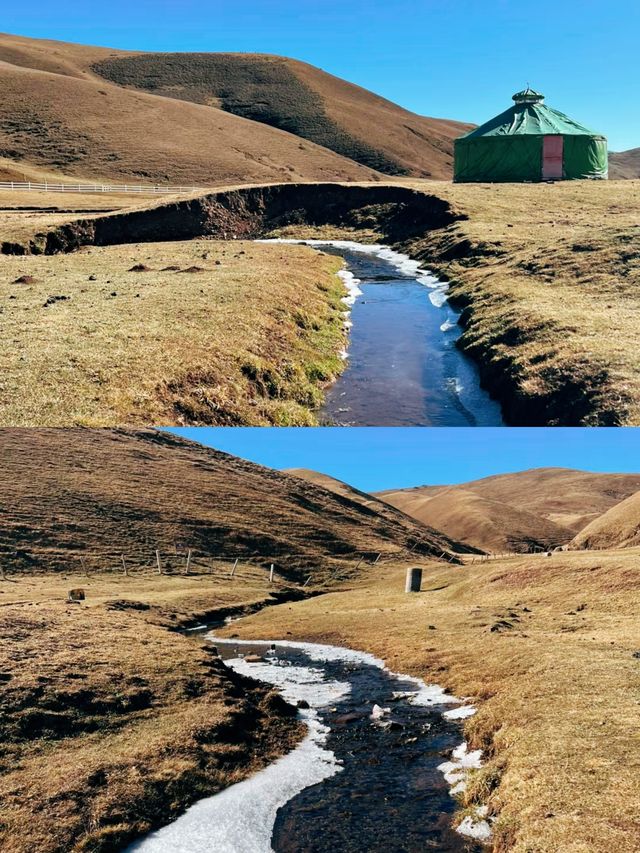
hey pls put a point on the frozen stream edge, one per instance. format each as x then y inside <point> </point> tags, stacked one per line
<point>241,818</point>
<point>401,262</point>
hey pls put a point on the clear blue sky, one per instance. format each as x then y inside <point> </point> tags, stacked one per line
<point>455,58</point>
<point>373,458</point>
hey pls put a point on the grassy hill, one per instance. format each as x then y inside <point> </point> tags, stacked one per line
<point>204,119</point>
<point>380,507</point>
<point>619,527</point>
<point>624,164</point>
<point>96,494</point>
<point>543,507</point>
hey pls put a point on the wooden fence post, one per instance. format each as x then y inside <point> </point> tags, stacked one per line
<point>186,568</point>
<point>124,566</point>
<point>235,566</point>
<point>271,574</point>
<point>376,559</point>
<point>159,564</point>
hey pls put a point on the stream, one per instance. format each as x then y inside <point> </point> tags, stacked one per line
<point>404,368</point>
<point>375,773</point>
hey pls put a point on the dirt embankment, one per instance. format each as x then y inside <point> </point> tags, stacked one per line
<point>396,213</point>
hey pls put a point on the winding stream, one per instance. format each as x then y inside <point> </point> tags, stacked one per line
<point>404,368</point>
<point>375,773</point>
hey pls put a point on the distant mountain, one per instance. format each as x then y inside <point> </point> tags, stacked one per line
<point>204,118</point>
<point>543,507</point>
<point>372,503</point>
<point>624,164</point>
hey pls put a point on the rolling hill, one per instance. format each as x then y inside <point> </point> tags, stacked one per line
<point>543,507</point>
<point>204,118</point>
<point>624,164</point>
<point>74,492</point>
<point>619,527</point>
<point>372,503</point>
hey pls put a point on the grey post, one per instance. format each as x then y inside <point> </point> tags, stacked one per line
<point>414,580</point>
<point>271,574</point>
<point>159,564</point>
<point>235,566</point>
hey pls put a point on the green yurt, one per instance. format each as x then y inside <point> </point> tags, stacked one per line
<point>530,142</point>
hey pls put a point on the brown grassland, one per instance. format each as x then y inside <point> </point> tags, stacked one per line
<point>545,647</point>
<point>230,333</point>
<point>113,725</point>
<point>546,276</point>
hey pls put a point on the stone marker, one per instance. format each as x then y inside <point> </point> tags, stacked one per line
<point>414,580</point>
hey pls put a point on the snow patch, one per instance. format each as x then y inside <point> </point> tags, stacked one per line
<point>456,774</point>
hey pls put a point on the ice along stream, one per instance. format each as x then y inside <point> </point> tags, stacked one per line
<point>403,368</point>
<point>376,772</point>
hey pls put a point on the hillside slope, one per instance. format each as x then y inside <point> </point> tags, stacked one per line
<point>624,164</point>
<point>92,129</point>
<point>619,527</point>
<point>345,128</point>
<point>112,491</point>
<point>380,507</point>
<point>543,507</point>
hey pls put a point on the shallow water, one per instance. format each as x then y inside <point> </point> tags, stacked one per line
<point>404,368</point>
<point>362,780</point>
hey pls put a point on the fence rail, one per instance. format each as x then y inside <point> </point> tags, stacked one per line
<point>96,188</point>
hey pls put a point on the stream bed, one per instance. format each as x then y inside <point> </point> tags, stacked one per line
<point>375,773</point>
<point>404,368</point>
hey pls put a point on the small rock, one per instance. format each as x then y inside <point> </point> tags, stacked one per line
<point>93,278</point>
<point>302,704</point>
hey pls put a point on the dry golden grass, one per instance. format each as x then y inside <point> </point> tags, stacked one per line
<point>549,274</point>
<point>111,724</point>
<point>557,692</point>
<point>248,337</point>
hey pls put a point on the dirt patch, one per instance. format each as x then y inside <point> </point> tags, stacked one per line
<point>26,279</point>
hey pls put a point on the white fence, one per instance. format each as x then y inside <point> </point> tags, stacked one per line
<point>95,188</point>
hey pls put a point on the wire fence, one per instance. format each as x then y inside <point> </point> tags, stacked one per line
<point>301,569</point>
<point>96,188</point>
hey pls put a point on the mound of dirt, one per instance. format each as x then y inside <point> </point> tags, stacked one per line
<point>139,268</point>
<point>26,279</point>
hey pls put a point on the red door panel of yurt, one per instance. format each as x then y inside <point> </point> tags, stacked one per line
<point>552,155</point>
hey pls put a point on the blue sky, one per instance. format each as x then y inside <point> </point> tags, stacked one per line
<point>372,458</point>
<point>460,59</point>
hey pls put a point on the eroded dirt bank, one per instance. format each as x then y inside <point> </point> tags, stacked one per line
<point>395,212</point>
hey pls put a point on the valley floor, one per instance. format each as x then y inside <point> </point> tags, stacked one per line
<point>546,648</point>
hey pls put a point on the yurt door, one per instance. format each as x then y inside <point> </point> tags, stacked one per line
<point>552,156</point>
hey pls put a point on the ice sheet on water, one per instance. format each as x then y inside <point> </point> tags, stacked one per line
<point>240,819</point>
